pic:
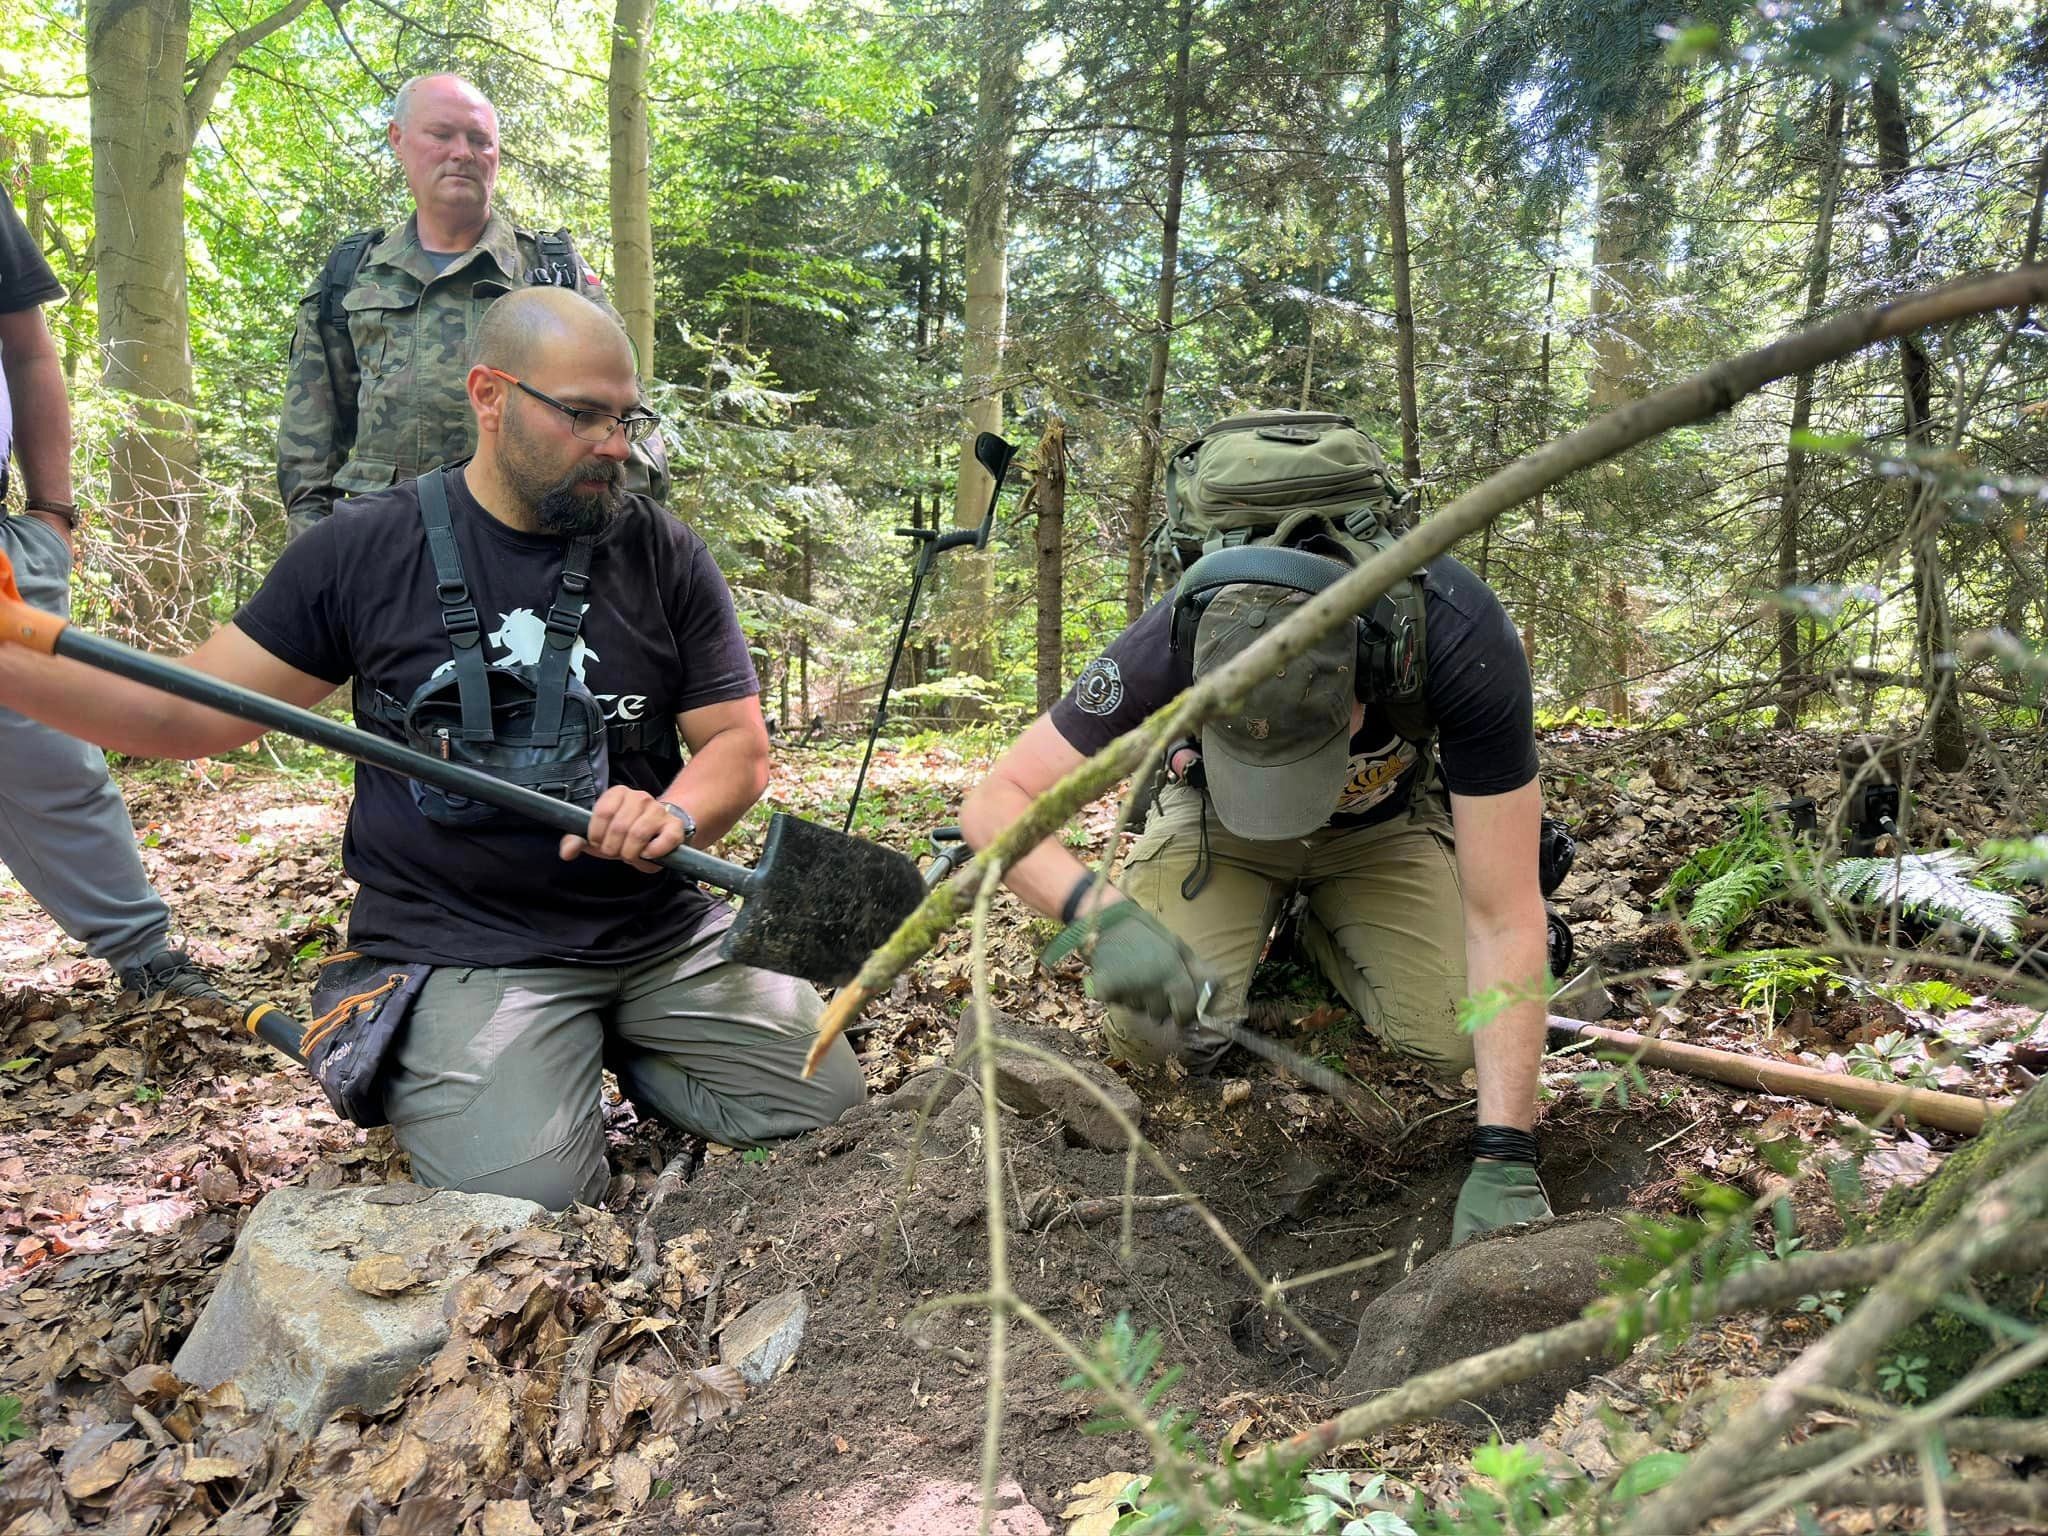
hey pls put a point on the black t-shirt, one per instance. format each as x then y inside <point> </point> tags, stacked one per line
<point>1477,690</point>
<point>25,278</point>
<point>355,597</point>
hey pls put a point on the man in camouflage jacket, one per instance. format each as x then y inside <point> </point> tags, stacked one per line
<point>375,392</point>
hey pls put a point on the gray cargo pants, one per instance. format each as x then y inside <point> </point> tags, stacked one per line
<point>64,832</point>
<point>497,1082</point>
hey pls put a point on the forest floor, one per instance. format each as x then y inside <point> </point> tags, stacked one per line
<point>133,1144</point>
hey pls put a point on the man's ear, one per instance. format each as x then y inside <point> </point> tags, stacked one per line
<point>488,395</point>
<point>391,135</point>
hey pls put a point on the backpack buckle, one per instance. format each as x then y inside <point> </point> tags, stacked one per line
<point>462,623</point>
<point>563,625</point>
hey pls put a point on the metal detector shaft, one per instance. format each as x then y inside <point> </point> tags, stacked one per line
<point>246,704</point>
<point>994,455</point>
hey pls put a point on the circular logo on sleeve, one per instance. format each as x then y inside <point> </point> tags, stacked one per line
<point>1099,688</point>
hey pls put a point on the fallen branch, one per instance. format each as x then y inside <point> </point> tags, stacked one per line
<point>2015,1496</point>
<point>1044,1210</point>
<point>572,1401</point>
<point>646,1244</point>
<point>1994,1437</point>
<point>1766,1285</point>
<point>1704,395</point>
<point>1926,1272</point>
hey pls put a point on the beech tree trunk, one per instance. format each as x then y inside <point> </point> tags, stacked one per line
<point>1152,420</point>
<point>1397,220</point>
<point>970,577</point>
<point>1051,561</point>
<point>1789,501</point>
<point>144,120</point>
<point>632,219</point>
<point>1948,740</point>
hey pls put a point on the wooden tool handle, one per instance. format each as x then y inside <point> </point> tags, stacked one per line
<point>1945,1111</point>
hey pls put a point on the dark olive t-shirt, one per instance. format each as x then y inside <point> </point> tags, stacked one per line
<point>1477,691</point>
<point>355,597</point>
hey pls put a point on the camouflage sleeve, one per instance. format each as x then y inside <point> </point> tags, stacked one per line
<point>313,442</point>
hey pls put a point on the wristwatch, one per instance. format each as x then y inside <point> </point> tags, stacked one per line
<point>68,510</point>
<point>689,822</point>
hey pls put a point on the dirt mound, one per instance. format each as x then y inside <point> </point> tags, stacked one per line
<point>879,1224</point>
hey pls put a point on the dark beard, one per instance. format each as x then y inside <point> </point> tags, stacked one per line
<point>560,510</point>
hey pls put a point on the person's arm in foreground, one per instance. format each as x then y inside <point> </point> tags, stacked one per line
<point>125,716</point>
<point>1505,955</point>
<point>726,773</point>
<point>1134,961</point>
<point>42,412</point>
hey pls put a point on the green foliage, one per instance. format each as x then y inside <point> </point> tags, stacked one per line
<point>1779,980</point>
<point>1932,995</point>
<point>1731,879</point>
<point>1893,1057</point>
<point>1132,1362</point>
<point>1935,887</point>
<point>11,1426</point>
<point>1903,1377</point>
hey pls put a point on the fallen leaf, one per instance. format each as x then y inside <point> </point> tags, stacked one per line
<point>510,1517</point>
<point>1100,1502</point>
<point>393,1473</point>
<point>385,1274</point>
<point>207,1469</point>
<point>632,1483</point>
<point>100,1458</point>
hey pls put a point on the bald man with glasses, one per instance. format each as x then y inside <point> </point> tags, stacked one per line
<point>534,962</point>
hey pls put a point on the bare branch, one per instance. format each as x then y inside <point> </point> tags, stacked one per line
<point>213,73</point>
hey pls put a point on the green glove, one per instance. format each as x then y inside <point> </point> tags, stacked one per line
<point>1135,963</point>
<point>1498,1195</point>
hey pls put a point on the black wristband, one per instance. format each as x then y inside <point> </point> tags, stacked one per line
<point>1072,905</point>
<point>1504,1144</point>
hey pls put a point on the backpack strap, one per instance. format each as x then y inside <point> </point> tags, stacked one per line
<point>344,263</point>
<point>458,613</point>
<point>565,623</point>
<point>558,264</point>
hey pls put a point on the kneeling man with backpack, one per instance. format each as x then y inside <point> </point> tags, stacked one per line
<point>1388,776</point>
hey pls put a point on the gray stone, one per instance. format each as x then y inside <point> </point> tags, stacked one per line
<point>288,1328</point>
<point>1585,997</point>
<point>764,1338</point>
<point>1478,1296</point>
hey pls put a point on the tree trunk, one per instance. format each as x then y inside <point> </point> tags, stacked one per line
<point>1051,566</point>
<point>1947,738</point>
<point>144,121</point>
<point>1152,420</point>
<point>632,220</point>
<point>970,580</point>
<point>1397,220</point>
<point>1817,266</point>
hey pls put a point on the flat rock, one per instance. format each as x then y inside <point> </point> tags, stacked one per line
<point>286,1324</point>
<point>764,1338</point>
<point>1479,1296</point>
<point>1034,1086</point>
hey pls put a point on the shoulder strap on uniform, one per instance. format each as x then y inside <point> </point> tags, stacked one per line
<point>565,622</point>
<point>339,275</point>
<point>458,613</point>
<point>558,266</point>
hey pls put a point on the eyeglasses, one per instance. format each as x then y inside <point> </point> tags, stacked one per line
<point>591,426</point>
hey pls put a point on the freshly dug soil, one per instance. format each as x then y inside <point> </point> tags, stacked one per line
<point>878,1229</point>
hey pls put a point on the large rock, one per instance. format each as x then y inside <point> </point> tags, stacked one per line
<point>291,1329</point>
<point>1479,1296</point>
<point>1032,1085</point>
<point>764,1338</point>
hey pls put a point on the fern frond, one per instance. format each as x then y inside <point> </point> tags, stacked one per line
<point>1721,903</point>
<point>1939,886</point>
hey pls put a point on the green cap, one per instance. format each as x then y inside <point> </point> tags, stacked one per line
<point>1276,767</point>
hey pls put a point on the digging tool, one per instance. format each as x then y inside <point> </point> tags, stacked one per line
<point>1945,1111</point>
<point>815,906</point>
<point>994,455</point>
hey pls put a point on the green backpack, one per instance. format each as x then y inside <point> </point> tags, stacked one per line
<point>1286,478</point>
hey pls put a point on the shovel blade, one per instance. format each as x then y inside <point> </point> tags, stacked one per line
<point>820,902</point>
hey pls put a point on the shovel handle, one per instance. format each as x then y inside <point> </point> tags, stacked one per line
<point>49,634</point>
<point>21,624</point>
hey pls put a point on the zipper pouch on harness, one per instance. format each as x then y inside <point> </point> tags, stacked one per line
<point>569,762</point>
<point>360,1005</point>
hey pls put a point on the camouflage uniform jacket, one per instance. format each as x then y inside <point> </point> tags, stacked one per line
<point>410,341</point>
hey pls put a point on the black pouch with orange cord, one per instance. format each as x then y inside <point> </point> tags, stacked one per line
<point>360,1005</point>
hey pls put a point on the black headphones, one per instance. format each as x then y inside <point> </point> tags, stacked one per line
<point>1388,647</point>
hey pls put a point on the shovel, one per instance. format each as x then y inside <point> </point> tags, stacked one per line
<point>818,903</point>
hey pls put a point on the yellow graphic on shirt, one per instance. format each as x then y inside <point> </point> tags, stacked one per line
<point>1375,775</point>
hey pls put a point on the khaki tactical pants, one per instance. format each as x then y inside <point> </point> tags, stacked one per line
<point>497,1083</point>
<point>1385,919</point>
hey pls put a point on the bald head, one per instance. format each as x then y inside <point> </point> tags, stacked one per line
<point>548,330</point>
<point>435,92</point>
